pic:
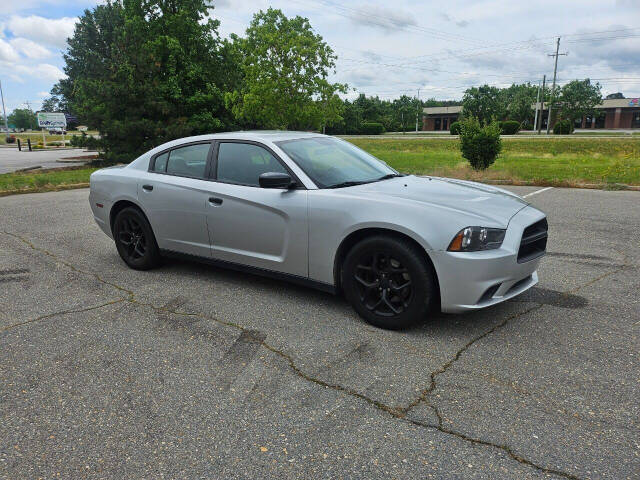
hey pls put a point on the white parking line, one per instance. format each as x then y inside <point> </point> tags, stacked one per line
<point>537,192</point>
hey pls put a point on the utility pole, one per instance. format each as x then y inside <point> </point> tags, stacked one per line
<point>553,89</point>
<point>544,80</point>
<point>418,111</point>
<point>28,104</point>
<point>535,121</point>
<point>4,112</point>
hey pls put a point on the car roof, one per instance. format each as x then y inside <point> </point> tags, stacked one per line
<point>263,135</point>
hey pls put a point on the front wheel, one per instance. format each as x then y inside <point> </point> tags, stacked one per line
<point>389,282</point>
<point>135,240</point>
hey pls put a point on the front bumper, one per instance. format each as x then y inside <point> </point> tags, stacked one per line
<point>474,280</point>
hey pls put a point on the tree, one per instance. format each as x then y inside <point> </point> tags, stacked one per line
<point>22,118</point>
<point>615,95</point>
<point>145,72</point>
<point>479,144</point>
<point>485,103</point>
<point>285,67</point>
<point>579,98</point>
<point>518,100</point>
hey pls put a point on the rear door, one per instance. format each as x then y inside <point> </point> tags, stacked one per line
<point>249,225</point>
<point>174,194</point>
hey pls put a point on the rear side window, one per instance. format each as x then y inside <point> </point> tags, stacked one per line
<point>189,161</point>
<point>243,163</point>
<point>160,165</point>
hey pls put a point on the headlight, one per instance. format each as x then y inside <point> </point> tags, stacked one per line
<point>472,239</point>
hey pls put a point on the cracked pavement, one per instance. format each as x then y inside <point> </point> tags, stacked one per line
<point>190,371</point>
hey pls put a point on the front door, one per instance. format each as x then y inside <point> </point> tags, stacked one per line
<point>249,225</point>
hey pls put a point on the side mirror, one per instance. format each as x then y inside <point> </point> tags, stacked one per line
<point>275,180</point>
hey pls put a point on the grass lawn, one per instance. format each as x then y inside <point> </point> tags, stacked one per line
<point>37,136</point>
<point>48,180</point>
<point>541,161</point>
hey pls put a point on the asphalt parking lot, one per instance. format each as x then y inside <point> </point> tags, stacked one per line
<point>194,372</point>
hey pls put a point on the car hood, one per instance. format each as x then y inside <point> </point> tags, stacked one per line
<point>490,205</point>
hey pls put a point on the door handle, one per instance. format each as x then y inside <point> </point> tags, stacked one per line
<point>148,188</point>
<point>215,200</point>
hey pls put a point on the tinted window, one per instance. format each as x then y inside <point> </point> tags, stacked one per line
<point>189,161</point>
<point>243,163</point>
<point>160,164</point>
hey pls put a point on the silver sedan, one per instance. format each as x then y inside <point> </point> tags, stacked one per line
<point>317,210</point>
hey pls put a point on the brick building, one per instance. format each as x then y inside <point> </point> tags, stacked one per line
<point>614,113</point>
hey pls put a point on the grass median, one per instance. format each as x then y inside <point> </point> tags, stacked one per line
<point>570,162</point>
<point>44,181</point>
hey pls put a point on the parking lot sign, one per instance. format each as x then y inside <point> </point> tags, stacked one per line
<point>52,121</point>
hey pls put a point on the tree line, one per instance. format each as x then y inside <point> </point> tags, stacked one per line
<point>143,72</point>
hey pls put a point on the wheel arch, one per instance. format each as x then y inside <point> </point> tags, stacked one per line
<point>356,236</point>
<point>121,205</point>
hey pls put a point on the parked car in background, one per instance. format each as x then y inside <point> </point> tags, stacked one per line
<point>318,210</point>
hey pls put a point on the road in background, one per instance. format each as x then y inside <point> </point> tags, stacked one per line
<point>11,159</point>
<point>190,371</point>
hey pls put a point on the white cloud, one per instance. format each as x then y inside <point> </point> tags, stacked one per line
<point>43,71</point>
<point>381,17</point>
<point>29,48</point>
<point>7,52</point>
<point>43,30</point>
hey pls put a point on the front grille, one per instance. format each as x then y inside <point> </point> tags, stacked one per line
<point>534,241</point>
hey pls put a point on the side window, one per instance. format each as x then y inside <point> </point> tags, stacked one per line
<point>160,165</point>
<point>243,163</point>
<point>189,161</point>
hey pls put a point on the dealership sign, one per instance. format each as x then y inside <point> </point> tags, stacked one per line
<point>52,120</point>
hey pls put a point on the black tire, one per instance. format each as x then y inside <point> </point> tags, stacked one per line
<point>388,282</point>
<point>135,240</point>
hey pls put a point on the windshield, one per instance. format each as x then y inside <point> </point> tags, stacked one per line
<point>331,162</point>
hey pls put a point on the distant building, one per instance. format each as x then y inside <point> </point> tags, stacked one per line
<point>612,113</point>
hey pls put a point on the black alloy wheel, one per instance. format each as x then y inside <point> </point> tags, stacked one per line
<point>389,281</point>
<point>383,283</point>
<point>134,239</point>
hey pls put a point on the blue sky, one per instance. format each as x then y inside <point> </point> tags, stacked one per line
<point>438,47</point>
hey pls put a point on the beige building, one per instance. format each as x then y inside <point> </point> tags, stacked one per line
<point>612,114</point>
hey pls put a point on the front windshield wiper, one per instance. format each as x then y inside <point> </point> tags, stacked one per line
<point>388,175</point>
<point>349,183</point>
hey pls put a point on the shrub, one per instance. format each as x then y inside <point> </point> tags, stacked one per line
<point>372,128</point>
<point>563,127</point>
<point>454,128</point>
<point>11,139</point>
<point>509,127</point>
<point>479,145</point>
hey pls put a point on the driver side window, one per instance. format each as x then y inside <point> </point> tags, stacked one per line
<point>243,163</point>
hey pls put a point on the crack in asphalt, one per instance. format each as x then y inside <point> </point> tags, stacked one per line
<point>395,412</point>
<point>62,312</point>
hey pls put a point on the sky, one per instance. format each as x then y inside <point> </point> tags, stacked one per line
<point>434,49</point>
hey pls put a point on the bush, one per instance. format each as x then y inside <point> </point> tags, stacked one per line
<point>372,128</point>
<point>509,127</point>
<point>563,127</point>
<point>479,145</point>
<point>11,139</point>
<point>454,128</point>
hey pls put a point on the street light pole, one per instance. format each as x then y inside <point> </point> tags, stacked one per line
<point>4,112</point>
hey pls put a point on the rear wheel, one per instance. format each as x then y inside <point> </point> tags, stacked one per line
<point>388,282</point>
<point>135,240</point>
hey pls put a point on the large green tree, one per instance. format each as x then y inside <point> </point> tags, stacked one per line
<point>485,103</point>
<point>143,72</point>
<point>285,68</point>
<point>579,98</point>
<point>22,118</point>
